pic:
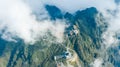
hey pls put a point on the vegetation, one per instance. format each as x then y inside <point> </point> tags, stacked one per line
<point>85,43</point>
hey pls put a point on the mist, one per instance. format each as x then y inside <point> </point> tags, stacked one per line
<point>17,19</point>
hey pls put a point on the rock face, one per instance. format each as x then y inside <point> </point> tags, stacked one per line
<point>82,38</point>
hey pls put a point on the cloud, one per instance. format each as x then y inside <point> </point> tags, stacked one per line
<point>18,20</point>
<point>97,63</point>
<point>111,35</point>
<point>106,7</point>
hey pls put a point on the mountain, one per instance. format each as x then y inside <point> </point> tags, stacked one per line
<point>82,43</point>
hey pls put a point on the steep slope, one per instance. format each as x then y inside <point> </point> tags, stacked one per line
<point>82,38</point>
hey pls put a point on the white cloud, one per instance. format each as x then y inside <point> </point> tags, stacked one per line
<point>113,20</point>
<point>111,35</point>
<point>16,16</point>
<point>97,63</point>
